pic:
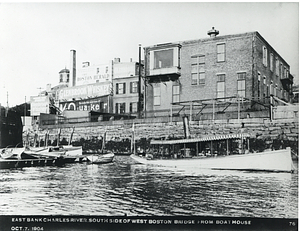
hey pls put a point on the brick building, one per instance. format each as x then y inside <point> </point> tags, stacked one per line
<point>125,87</point>
<point>219,74</point>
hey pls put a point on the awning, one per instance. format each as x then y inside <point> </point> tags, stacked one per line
<point>202,139</point>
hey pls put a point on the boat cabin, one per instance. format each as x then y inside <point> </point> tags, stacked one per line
<point>208,146</point>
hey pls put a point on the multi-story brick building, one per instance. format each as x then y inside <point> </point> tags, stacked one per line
<point>125,87</point>
<point>213,75</point>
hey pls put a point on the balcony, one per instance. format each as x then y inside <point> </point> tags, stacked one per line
<point>164,74</point>
<point>287,82</point>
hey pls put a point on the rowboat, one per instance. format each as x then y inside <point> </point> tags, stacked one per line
<point>102,158</point>
<point>198,153</point>
<point>69,152</point>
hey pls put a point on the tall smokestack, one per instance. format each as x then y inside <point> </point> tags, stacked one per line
<point>72,80</point>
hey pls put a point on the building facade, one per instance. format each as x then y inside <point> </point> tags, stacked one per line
<point>217,72</point>
<point>125,87</point>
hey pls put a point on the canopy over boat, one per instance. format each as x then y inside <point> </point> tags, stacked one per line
<point>202,139</point>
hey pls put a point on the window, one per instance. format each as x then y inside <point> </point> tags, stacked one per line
<point>265,56</point>
<point>241,87</point>
<point>271,88</point>
<point>285,72</point>
<point>133,107</point>
<point>163,58</point>
<point>198,70</point>
<point>133,87</point>
<point>120,88</point>
<point>117,108</point>
<point>277,66</point>
<point>67,77</point>
<point>221,86</point>
<point>258,85</point>
<point>176,91</point>
<point>156,95</point>
<point>221,52</point>
<point>61,78</point>
<point>281,70</point>
<point>120,108</point>
<point>271,62</point>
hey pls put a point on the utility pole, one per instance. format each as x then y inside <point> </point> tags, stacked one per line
<point>6,112</point>
<point>25,111</point>
<point>139,85</point>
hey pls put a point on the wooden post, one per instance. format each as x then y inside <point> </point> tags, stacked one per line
<point>227,147</point>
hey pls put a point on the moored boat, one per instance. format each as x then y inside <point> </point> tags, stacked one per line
<point>186,154</point>
<point>18,158</point>
<point>102,158</point>
<point>69,152</point>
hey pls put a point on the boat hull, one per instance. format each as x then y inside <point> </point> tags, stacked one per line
<point>12,164</point>
<point>100,158</point>
<point>275,161</point>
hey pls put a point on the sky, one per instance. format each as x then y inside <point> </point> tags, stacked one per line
<point>36,38</point>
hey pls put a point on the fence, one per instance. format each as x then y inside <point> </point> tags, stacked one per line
<point>158,116</point>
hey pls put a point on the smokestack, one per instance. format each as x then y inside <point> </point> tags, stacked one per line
<point>72,81</point>
<point>213,32</point>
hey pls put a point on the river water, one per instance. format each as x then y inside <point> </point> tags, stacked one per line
<point>125,188</point>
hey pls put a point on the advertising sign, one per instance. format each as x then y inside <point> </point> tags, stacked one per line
<point>97,104</point>
<point>85,91</point>
<point>39,104</point>
<point>94,74</point>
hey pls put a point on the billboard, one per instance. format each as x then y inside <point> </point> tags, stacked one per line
<point>93,74</point>
<point>39,104</point>
<point>99,104</point>
<point>85,91</point>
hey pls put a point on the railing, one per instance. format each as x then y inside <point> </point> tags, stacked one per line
<point>159,116</point>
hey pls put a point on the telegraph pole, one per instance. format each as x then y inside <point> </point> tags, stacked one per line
<point>6,112</point>
<point>25,111</point>
<point>139,85</point>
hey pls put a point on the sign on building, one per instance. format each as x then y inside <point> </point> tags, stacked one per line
<point>97,104</point>
<point>85,91</point>
<point>39,104</point>
<point>93,74</point>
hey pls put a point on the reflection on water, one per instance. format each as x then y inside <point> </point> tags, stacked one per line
<point>122,187</point>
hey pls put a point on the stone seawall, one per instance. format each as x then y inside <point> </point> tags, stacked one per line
<point>257,128</point>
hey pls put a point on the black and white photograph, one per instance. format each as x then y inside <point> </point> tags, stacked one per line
<point>149,116</point>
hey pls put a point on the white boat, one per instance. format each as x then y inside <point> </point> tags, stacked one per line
<point>101,158</point>
<point>11,153</point>
<point>272,160</point>
<point>68,152</point>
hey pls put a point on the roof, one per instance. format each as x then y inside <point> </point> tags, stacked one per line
<point>64,71</point>
<point>202,139</point>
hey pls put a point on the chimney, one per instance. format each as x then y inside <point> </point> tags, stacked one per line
<point>72,81</point>
<point>117,60</point>
<point>48,87</point>
<point>213,32</point>
<point>85,64</point>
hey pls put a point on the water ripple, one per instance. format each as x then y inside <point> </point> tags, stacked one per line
<point>122,188</point>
